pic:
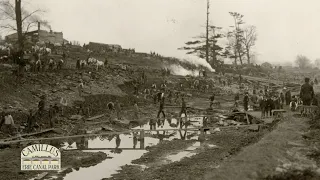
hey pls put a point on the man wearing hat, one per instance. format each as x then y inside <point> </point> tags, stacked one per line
<point>80,87</point>
<point>306,92</point>
<point>41,105</point>
<point>246,101</point>
<point>287,96</point>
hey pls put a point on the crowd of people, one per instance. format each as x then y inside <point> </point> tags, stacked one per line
<point>268,100</point>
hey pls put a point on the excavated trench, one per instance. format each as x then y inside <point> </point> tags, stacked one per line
<point>124,148</point>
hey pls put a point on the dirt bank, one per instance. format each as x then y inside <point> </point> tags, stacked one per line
<point>282,149</point>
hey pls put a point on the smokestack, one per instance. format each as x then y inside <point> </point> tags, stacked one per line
<point>38,26</point>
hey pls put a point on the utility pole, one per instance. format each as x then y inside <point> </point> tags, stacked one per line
<point>207,32</point>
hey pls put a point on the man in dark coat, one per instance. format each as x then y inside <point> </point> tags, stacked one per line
<point>306,93</point>
<point>161,107</point>
<point>246,101</point>
<point>282,99</point>
<point>211,100</point>
<point>288,97</point>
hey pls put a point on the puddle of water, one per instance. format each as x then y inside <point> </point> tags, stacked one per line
<point>125,148</point>
<point>180,155</point>
<point>212,145</point>
<point>122,157</point>
<point>194,146</point>
<point>106,168</point>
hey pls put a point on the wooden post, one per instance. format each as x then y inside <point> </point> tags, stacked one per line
<point>202,137</point>
<point>142,139</point>
<point>248,122</point>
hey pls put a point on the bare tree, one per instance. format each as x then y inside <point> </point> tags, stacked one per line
<point>303,62</point>
<point>231,49</point>
<point>249,40</point>
<point>238,33</point>
<point>16,18</point>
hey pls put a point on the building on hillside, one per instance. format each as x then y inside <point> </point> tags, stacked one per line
<point>39,35</point>
<point>99,47</point>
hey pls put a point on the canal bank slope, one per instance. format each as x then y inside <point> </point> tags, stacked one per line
<point>282,150</point>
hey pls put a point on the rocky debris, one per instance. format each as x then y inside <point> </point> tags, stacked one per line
<point>41,176</point>
<point>268,120</point>
<point>76,117</point>
<point>106,128</point>
<point>212,131</point>
<point>254,127</point>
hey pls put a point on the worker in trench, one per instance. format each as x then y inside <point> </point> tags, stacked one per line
<point>136,111</point>
<point>30,121</point>
<point>41,105</point>
<point>246,101</point>
<point>64,104</point>
<point>52,115</point>
<point>306,93</point>
<point>80,87</point>
<point>288,96</point>
<point>183,111</point>
<point>161,107</point>
<point>118,109</point>
<point>211,100</point>
<point>135,87</point>
<point>8,124</point>
<point>135,139</point>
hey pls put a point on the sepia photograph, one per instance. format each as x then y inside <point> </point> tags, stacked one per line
<point>159,90</point>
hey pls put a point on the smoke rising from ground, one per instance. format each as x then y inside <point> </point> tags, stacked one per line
<point>179,70</point>
<point>199,62</point>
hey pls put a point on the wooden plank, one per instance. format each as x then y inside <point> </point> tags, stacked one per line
<point>29,134</point>
<point>41,176</point>
<point>101,149</point>
<point>95,117</point>
<point>83,135</point>
<point>123,132</point>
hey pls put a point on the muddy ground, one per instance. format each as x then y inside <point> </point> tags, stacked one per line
<point>228,143</point>
<point>10,163</point>
<point>224,161</point>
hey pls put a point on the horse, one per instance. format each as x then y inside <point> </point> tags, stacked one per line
<point>92,61</point>
<point>99,64</point>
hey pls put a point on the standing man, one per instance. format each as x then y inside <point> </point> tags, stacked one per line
<point>306,92</point>
<point>52,115</point>
<point>246,101</point>
<point>136,111</point>
<point>8,123</point>
<point>64,104</point>
<point>78,63</point>
<point>288,97</point>
<point>211,100</point>
<point>118,109</point>
<point>236,99</point>
<point>281,100</point>
<point>31,121</point>
<point>80,87</point>
<point>183,111</point>
<point>41,105</point>
<point>161,107</point>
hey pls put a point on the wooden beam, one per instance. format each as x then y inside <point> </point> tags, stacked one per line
<point>41,176</point>
<point>123,132</point>
<point>29,134</point>
<point>95,117</point>
<point>84,135</point>
<point>101,149</point>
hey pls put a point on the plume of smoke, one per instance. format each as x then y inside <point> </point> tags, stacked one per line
<point>200,62</point>
<point>179,70</point>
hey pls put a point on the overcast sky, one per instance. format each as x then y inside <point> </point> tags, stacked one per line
<point>285,27</point>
